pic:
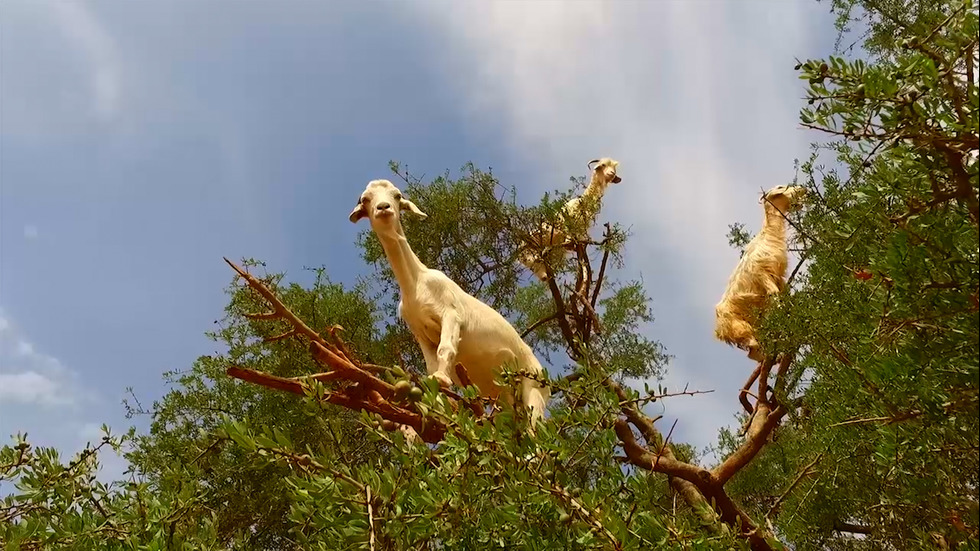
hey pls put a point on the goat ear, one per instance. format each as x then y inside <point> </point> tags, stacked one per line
<point>406,204</point>
<point>358,213</point>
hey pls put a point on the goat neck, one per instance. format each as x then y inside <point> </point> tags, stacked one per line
<point>597,187</point>
<point>774,223</point>
<point>404,263</point>
<point>591,199</point>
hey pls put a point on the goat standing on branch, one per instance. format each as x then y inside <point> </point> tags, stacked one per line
<point>760,273</point>
<point>450,325</point>
<point>577,217</point>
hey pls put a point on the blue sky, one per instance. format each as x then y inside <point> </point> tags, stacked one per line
<point>142,141</point>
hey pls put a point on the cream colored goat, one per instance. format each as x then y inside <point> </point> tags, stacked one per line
<point>575,220</point>
<point>760,273</point>
<point>450,325</point>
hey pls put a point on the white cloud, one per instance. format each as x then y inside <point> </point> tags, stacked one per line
<point>30,231</point>
<point>50,402</point>
<point>699,102</point>
<point>30,377</point>
<point>30,387</point>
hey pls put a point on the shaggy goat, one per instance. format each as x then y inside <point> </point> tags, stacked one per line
<point>576,218</point>
<point>450,325</point>
<point>760,273</point>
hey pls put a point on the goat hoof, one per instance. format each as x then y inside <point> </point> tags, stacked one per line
<point>444,380</point>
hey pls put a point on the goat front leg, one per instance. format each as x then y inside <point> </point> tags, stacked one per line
<point>773,286</point>
<point>448,348</point>
<point>429,353</point>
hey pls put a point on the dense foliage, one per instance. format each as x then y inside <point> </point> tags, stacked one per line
<point>886,311</point>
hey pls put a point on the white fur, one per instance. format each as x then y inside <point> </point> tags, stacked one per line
<point>575,220</point>
<point>760,273</point>
<point>450,325</point>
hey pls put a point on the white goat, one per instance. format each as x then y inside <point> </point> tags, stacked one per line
<point>760,273</point>
<point>450,325</point>
<point>575,220</point>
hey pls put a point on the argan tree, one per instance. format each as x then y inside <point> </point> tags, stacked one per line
<point>859,430</point>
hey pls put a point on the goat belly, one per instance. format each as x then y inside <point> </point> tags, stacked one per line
<point>482,365</point>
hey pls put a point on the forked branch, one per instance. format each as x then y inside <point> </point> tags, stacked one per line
<point>366,390</point>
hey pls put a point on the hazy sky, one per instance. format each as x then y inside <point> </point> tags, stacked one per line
<point>142,141</point>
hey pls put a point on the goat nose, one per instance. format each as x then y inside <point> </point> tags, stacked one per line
<point>384,206</point>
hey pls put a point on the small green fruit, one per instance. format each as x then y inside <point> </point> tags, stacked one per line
<point>402,388</point>
<point>415,394</point>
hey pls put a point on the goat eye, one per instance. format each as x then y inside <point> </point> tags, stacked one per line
<point>398,196</point>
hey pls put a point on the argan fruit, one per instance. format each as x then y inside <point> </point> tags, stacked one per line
<point>402,388</point>
<point>415,394</point>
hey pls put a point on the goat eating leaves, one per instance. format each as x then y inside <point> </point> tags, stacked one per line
<point>450,325</point>
<point>760,273</point>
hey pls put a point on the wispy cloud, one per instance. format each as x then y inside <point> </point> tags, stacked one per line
<point>697,100</point>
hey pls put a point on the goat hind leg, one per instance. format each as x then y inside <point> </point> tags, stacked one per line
<point>535,397</point>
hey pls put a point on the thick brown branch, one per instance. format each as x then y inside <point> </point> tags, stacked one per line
<point>687,489</point>
<point>707,485</point>
<point>641,457</point>
<point>354,398</point>
<point>368,392</point>
<point>763,423</point>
